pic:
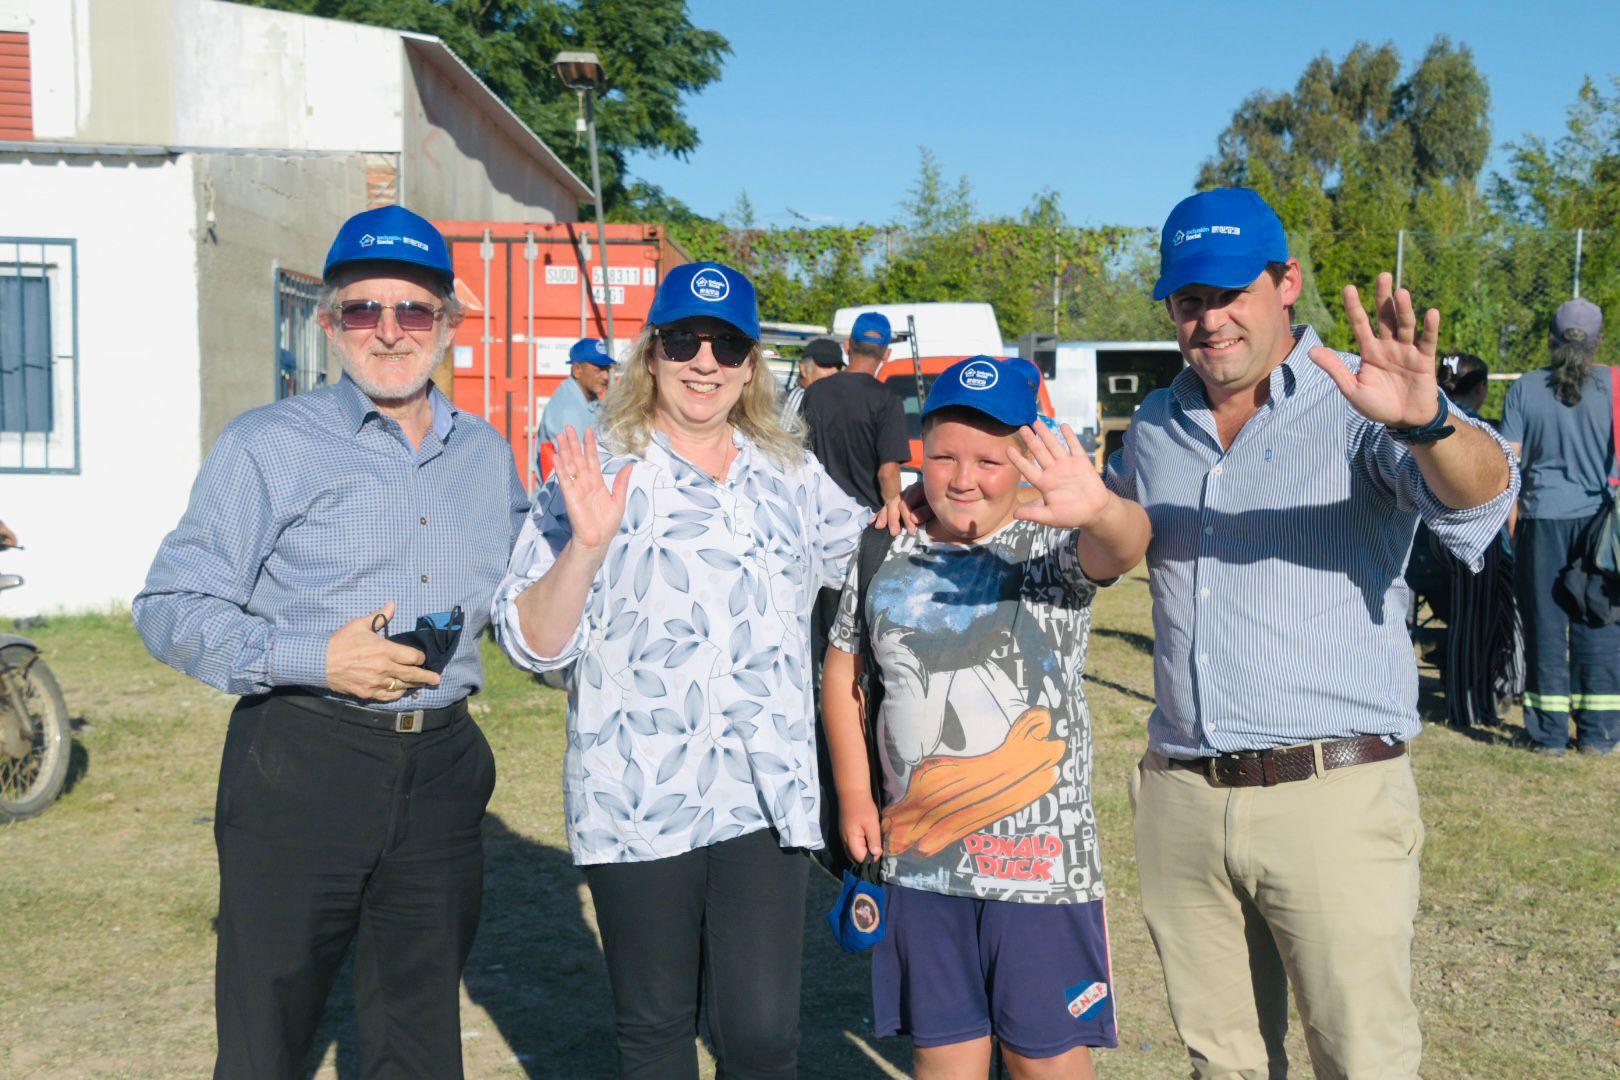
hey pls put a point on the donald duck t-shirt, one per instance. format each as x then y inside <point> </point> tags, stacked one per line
<point>983,732</point>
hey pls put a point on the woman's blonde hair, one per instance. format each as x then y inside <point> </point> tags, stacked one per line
<point>627,410</point>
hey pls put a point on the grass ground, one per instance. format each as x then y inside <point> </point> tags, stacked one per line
<point>107,901</point>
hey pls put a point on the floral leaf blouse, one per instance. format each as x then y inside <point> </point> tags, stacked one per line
<point>690,708</point>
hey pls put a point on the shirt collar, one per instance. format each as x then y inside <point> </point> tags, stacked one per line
<point>358,408</point>
<point>1296,369</point>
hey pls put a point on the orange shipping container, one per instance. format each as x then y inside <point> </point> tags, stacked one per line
<point>525,288</point>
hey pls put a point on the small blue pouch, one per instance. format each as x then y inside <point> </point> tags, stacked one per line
<point>857,918</point>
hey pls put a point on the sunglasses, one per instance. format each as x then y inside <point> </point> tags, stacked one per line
<point>730,350</point>
<point>366,314</point>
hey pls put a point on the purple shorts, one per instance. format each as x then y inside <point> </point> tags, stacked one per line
<point>952,968</point>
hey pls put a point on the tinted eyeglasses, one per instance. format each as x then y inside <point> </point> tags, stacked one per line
<point>730,349</point>
<point>366,314</point>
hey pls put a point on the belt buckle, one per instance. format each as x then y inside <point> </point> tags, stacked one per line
<point>409,722</point>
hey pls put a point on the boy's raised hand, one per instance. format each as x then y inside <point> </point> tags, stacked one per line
<point>1072,495</point>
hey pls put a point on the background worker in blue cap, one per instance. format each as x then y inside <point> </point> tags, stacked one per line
<point>353,781</point>
<point>1277,825</point>
<point>578,401</point>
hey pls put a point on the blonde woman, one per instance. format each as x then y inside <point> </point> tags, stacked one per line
<point>674,569</point>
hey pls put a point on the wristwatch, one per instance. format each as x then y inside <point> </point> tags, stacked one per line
<point>1432,432</point>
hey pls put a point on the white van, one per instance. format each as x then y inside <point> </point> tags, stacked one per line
<point>942,329</point>
<point>1097,386</point>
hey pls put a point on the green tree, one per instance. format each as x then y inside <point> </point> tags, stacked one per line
<point>1355,155</point>
<point>653,56</point>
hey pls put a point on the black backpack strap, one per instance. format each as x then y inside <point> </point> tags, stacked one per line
<point>875,544</point>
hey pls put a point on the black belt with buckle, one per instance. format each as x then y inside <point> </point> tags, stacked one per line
<point>1285,764</point>
<point>405,722</point>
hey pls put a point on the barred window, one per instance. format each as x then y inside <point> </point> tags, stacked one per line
<point>39,408</point>
<point>300,341</point>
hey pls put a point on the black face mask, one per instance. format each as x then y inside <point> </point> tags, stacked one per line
<point>436,635</point>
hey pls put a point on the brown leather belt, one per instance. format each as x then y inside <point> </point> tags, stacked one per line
<point>1285,764</point>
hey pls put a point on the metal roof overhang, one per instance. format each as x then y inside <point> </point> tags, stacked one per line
<point>442,57</point>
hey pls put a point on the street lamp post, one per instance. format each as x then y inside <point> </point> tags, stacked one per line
<point>582,73</point>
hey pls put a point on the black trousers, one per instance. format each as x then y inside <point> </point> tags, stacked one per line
<point>330,833</point>
<point>721,928</point>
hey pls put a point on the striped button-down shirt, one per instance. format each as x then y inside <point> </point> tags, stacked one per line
<point>316,510</point>
<point>1276,566</point>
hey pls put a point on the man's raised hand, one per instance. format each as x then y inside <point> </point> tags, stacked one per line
<point>1396,383</point>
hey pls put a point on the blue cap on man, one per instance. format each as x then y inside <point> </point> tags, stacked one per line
<point>1223,238</point>
<point>706,289</point>
<point>590,351</point>
<point>390,234</point>
<point>1003,390</point>
<point>872,328</point>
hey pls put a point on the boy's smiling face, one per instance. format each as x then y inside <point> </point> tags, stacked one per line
<point>970,484</point>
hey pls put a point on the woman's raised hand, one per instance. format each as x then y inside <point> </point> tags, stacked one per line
<point>594,511</point>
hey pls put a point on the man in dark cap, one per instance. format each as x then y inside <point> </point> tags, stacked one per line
<point>353,781</point>
<point>822,357</point>
<point>1561,421</point>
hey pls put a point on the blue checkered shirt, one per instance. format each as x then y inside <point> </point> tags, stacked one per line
<point>315,510</point>
<point>1277,566</point>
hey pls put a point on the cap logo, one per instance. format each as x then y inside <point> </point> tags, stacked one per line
<point>600,347</point>
<point>367,240</point>
<point>711,285</point>
<point>1179,237</point>
<point>979,375</point>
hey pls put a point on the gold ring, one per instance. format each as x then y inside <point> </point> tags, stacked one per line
<point>392,682</point>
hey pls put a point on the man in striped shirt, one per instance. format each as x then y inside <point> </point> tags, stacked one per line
<point>1277,825</point>
<point>353,781</point>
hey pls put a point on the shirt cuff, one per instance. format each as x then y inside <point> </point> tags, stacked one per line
<point>297,659</point>
<point>509,632</point>
<point>1467,534</point>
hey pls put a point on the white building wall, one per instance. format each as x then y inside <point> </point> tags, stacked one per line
<point>90,537</point>
<point>249,78</point>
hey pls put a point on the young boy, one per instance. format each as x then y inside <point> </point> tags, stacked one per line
<point>988,842</point>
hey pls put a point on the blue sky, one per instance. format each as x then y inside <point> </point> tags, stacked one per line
<point>822,106</point>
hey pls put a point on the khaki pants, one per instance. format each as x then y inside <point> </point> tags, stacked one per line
<point>1315,882</point>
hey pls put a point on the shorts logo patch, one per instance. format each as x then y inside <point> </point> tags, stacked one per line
<point>1086,1000</point>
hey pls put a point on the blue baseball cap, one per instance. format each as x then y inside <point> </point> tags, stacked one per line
<point>709,289</point>
<point>590,351</point>
<point>390,234</point>
<point>872,328</point>
<point>1003,390</point>
<point>1223,238</point>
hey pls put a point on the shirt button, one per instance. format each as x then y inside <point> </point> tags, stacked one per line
<point>1209,529</point>
<point>424,521</point>
<point>1204,592</point>
<point>1210,725</point>
<point>1216,471</point>
<point>424,579</point>
<point>1203,658</point>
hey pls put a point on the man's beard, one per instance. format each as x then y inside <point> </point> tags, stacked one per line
<point>380,393</point>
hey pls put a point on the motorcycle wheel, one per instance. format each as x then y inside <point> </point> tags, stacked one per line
<point>34,719</point>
